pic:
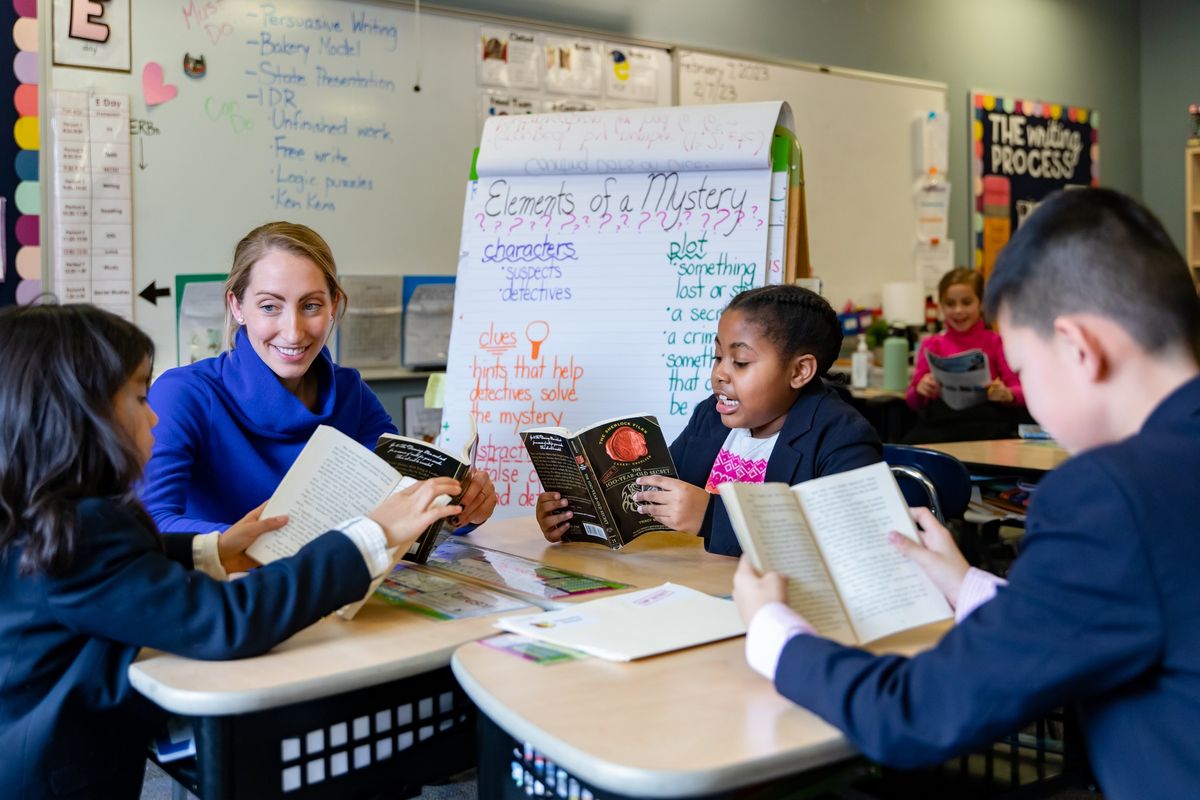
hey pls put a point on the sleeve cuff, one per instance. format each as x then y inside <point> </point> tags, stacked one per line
<point>977,588</point>
<point>368,537</point>
<point>770,629</point>
<point>206,557</point>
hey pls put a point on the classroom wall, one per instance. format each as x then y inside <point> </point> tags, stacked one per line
<point>1078,52</point>
<point>1170,81</point>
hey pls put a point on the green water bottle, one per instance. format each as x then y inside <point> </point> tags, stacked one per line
<point>895,363</point>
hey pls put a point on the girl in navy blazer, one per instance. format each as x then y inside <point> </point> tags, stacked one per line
<point>86,580</point>
<point>771,417</point>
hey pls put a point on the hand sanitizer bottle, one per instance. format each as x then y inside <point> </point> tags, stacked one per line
<point>860,364</point>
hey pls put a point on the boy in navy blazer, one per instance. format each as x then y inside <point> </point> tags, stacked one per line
<point>1100,317</point>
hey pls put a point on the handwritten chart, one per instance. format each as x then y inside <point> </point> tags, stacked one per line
<point>597,253</point>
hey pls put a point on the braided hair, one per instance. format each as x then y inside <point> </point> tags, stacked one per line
<point>797,321</point>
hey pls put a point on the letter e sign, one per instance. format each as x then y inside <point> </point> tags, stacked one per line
<point>85,20</point>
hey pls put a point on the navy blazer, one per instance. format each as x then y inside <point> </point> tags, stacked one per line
<point>1101,611</point>
<point>70,723</point>
<point>822,435</point>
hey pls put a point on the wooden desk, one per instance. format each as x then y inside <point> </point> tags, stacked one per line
<point>375,694</point>
<point>1027,456</point>
<point>690,723</point>
<point>649,560</point>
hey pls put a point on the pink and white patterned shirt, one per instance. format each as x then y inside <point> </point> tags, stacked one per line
<point>743,459</point>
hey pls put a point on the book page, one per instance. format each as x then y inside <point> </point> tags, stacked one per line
<point>964,377</point>
<point>771,529</point>
<point>851,514</point>
<point>333,479</point>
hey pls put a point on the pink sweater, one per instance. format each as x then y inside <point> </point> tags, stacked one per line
<point>950,342</point>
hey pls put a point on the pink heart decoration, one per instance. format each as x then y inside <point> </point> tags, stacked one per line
<point>154,90</point>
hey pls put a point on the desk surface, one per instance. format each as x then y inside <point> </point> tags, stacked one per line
<point>693,722</point>
<point>383,643</point>
<point>1030,455</point>
<point>380,644</point>
<point>649,560</point>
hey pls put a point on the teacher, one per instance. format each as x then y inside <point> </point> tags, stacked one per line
<point>231,426</point>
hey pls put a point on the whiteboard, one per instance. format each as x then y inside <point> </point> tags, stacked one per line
<point>372,165</point>
<point>856,131</point>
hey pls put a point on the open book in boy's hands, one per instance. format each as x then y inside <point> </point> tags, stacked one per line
<point>335,478</point>
<point>596,471</point>
<point>829,537</point>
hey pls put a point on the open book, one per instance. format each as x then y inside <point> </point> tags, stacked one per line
<point>335,478</point>
<point>829,536</point>
<point>596,471</point>
<point>964,377</point>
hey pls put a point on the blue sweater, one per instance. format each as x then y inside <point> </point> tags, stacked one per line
<point>228,430</point>
<point>1100,611</point>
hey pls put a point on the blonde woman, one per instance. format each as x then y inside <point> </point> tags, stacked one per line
<point>229,427</point>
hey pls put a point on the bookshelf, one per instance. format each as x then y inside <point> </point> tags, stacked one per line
<point>1192,182</point>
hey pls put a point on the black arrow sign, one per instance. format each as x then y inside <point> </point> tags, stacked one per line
<point>152,293</point>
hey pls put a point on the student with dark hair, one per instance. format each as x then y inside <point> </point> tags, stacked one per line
<point>771,418</point>
<point>1100,318</point>
<point>86,579</point>
<point>960,295</point>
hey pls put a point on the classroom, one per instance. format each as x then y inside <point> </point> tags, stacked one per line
<point>615,341</point>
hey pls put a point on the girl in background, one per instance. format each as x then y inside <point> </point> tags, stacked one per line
<point>960,295</point>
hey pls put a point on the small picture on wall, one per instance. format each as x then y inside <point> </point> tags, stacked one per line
<point>91,34</point>
<point>421,422</point>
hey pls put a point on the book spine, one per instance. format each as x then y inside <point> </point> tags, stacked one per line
<point>429,538</point>
<point>598,502</point>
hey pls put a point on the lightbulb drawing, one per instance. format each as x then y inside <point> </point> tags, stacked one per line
<point>536,332</point>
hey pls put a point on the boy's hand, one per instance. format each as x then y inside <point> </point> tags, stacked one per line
<point>752,591</point>
<point>999,393</point>
<point>478,502</point>
<point>232,544</point>
<point>405,514</point>
<point>928,387</point>
<point>552,515</point>
<point>937,555</point>
<point>677,504</point>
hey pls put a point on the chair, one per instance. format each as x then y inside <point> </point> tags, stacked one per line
<point>929,478</point>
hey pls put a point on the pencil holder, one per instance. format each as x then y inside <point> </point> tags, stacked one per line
<point>895,363</point>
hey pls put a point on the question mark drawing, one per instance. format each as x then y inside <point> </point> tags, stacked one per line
<point>707,217</point>
<point>645,216</point>
<point>546,220</point>
<point>662,219</point>
<point>740,217</point>
<point>520,221</point>
<point>497,226</point>
<point>585,220</point>
<point>718,223</point>
<point>481,218</point>
<point>604,220</point>
<point>687,217</point>
<point>532,224</point>
<point>571,221</point>
<point>759,225</point>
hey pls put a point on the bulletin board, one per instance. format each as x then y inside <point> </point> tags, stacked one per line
<point>307,110</point>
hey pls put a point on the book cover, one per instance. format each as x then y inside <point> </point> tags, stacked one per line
<point>419,460</point>
<point>964,377</point>
<point>596,471</point>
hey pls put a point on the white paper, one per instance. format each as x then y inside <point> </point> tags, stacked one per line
<point>631,140</point>
<point>635,625</point>
<point>508,58</point>
<point>630,73</point>
<point>932,200</point>
<point>932,262</point>
<point>572,65</point>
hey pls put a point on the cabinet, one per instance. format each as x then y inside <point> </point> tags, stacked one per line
<point>1192,183</point>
